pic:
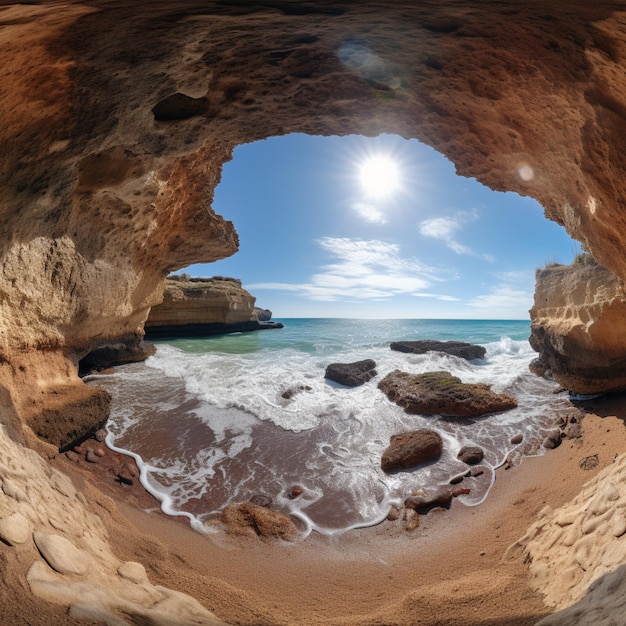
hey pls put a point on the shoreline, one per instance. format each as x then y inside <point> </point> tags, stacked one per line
<point>451,569</point>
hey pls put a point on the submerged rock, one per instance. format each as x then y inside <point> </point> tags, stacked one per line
<point>410,449</point>
<point>351,374</point>
<point>440,393</point>
<point>461,349</point>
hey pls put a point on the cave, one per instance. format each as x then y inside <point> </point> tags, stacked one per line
<point>118,116</point>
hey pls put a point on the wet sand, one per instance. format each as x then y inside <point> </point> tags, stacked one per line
<point>451,570</point>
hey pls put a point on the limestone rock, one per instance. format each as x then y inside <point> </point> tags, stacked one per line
<point>578,327</point>
<point>410,449</point>
<point>61,555</point>
<point>254,520</point>
<point>351,374</point>
<point>441,393</point>
<point>457,348</point>
<point>15,529</point>
<point>202,305</point>
<point>263,315</point>
<point>134,572</point>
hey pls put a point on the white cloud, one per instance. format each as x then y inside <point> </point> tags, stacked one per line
<point>369,212</point>
<point>362,270</point>
<point>446,228</point>
<point>511,297</point>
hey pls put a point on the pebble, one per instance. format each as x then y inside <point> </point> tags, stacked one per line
<point>15,529</point>
<point>295,492</point>
<point>61,554</point>
<point>517,439</point>
<point>394,514</point>
<point>90,456</point>
<point>411,519</point>
<point>261,499</point>
<point>72,456</point>
<point>99,452</point>
<point>100,435</point>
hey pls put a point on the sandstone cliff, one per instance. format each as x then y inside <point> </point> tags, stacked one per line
<point>203,306</point>
<point>116,121</point>
<point>578,327</point>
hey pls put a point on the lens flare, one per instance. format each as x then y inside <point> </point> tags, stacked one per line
<point>380,175</point>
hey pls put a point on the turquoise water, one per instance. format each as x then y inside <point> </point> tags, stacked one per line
<point>221,419</point>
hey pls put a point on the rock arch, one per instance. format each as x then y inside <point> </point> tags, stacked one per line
<point>117,119</point>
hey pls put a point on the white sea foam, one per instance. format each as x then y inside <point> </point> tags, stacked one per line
<point>263,420</point>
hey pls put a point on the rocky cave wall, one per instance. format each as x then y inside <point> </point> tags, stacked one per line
<point>118,114</point>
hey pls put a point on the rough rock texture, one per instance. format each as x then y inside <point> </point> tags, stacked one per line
<point>116,121</point>
<point>576,552</point>
<point>456,348</point>
<point>263,315</point>
<point>115,354</point>
<point>351,374</point>
<point>252,519</point>
<point>210,301</point>
<point>579,329</point>
<point>440,393</point>
<point>62,548</point>
<point>407,450</point>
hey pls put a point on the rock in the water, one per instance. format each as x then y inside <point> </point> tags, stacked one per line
<point>461,349</point>
<point>254,520</point>
<point>351,374</point>
<point>472,455</point>
<point>101,435</point>
<point>440,393</point>
<point>15,529</point>
<point>517,439</point>
<point>261,499</point>
<point>295,492</point>
<point>263,315</point>
<point>61,555</point>
<point>411,449</point>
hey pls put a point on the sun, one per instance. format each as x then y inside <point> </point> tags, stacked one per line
<point>379,175</point>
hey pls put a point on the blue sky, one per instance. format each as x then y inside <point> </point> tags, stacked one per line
<point>321,235</point>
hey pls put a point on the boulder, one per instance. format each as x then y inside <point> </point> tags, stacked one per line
<point>410,449</point>
<point>442,498</point>
<point>351,374</point>
<point>263,315</point>
<point>461,349</point>
<point>440,393</point>
<point>472,455</point>
<point>257,521</point>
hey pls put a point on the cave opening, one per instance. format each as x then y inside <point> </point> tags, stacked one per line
<point>349,264</point>
<point>321,235</point>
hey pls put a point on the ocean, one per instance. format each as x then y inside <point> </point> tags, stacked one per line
<point>225,418</point>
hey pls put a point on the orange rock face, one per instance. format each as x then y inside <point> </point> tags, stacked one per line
<point>578,328</point>
<point>117,117</point>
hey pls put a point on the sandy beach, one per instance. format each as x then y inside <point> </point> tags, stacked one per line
<point>453,569</point>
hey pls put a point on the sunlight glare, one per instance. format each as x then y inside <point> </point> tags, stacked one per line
<point>379,175</point>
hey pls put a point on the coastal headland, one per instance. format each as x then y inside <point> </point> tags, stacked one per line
<point>117,118</point>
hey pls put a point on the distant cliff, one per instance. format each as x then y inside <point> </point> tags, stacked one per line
<point>204,306</point>
<point>579,327</point>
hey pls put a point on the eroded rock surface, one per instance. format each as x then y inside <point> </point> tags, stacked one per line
<point>440,393</point>
<point>407,450</point>
<point>456,348</point>
<point>576,552</point>
<point>250,519</point>
<point>203,306</point>
<point>351,374</point>
<point>579,329</point>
